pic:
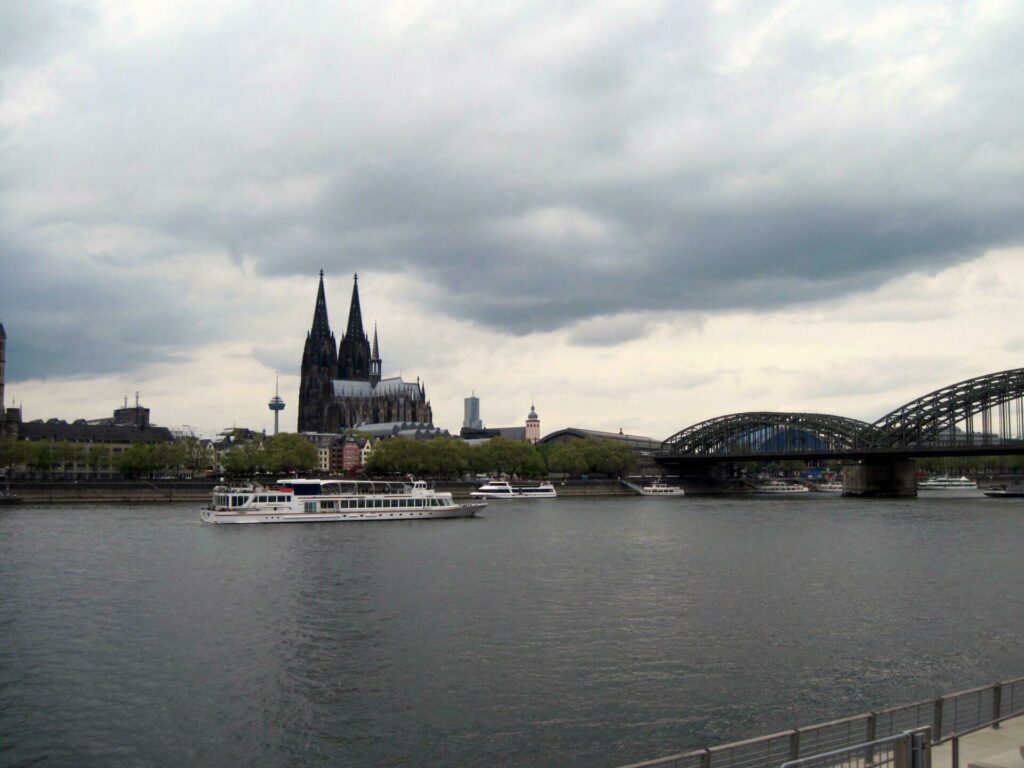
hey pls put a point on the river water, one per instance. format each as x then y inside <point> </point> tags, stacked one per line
<point>572,632</point>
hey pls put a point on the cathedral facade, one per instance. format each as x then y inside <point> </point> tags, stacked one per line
<point>341,385</point>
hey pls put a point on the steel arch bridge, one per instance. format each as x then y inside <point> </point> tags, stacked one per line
<point>980,415</point>
<point>767,431</point>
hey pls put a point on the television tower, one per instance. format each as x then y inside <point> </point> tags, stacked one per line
<point>276,404</point>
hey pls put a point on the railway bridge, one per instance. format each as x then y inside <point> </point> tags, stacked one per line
<point>982,416</point>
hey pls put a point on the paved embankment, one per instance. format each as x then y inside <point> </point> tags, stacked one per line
<point>139,491</point>
<point>1001,747</point>
<point>123,492</point>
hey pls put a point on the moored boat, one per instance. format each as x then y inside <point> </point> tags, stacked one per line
<point>502,489</point>
<point>943,483</point>
<point>831,486</point>
<point>780,487</point>
<point>313,500</point>
<point>1013,491</point>
<point>660,488</point>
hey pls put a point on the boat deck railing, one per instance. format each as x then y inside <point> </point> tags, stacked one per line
<point>950,716</point>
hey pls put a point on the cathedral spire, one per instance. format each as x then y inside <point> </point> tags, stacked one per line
<point>375,358</point>
<point>354,350</point>
<point>355,314</point>
<point>321,327</point>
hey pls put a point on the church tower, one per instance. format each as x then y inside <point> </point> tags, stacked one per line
<point>319,363</point>
<point>532,425</point>
<point>354,351</point>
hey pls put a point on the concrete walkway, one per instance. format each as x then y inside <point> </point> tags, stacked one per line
<point>1000,747</point>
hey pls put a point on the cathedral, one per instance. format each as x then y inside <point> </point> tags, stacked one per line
<point>340,385</point>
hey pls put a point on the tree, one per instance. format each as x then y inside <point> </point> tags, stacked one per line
<point>13,453</point>
<point>98,457</point>
<point>288,452</point>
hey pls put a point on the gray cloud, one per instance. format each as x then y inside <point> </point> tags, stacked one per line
<point>32,31</point>
<point>535,169</point>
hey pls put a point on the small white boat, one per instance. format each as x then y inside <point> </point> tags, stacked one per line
<point>831,486</point>
<point>318,501</point>
<point>943,483</point>
<point>781,487</point>
<point>502,489</point>
<point>659,488</point>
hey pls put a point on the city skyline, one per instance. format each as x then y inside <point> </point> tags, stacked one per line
<point>642,217</point>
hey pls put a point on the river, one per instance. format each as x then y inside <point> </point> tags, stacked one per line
<point>572,632</point>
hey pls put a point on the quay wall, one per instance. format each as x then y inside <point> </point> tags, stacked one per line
<point>141,491</point>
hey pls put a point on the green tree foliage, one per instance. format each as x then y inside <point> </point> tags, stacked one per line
<point>13,453</point>
<point>98,458</point>
<point>242,459</point>
<point>287,452</point>
<point>448,458</point>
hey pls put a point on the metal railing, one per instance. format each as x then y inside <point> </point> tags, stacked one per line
<point>949,716</point>
<point>905,750</point>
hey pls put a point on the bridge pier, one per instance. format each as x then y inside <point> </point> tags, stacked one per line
<point>882,478</point>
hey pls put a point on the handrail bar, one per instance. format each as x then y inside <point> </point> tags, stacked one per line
<point>978,689</point>
<point>748,742</point>
<point>830,723</point>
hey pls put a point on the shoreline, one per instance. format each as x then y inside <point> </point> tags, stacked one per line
<point>157,491</point>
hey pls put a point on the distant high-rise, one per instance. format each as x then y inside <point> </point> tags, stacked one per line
<point>471,418</point>
<point>532,425</point>
<point>276,404</point>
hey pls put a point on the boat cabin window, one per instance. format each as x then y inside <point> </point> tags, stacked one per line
<point>306,489</point>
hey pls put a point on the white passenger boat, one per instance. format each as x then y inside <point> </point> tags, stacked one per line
<point>780,487</point>
<point>943,483</point>
<point>830,486</point>
<point>315,501</point>
<point>502,489</point>
<point>660,488</point>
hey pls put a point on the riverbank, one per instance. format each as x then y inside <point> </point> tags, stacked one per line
<point>146,491</point>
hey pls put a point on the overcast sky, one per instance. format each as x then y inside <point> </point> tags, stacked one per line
<point>642,215</point>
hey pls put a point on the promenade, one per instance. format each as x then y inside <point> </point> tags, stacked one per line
<point>1001,747</point>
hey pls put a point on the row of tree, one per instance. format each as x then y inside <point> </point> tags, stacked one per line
<point>63,458</point>
<point>451,458</point>
<point>284,452</point>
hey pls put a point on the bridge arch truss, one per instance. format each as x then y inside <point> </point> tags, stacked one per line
<point>768,432</point>
<point>983,411</point>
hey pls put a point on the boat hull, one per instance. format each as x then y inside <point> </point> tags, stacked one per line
<point>287,516</point>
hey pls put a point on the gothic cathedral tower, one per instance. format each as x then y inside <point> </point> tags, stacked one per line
<point>319,368</point>
<point>354,352</point>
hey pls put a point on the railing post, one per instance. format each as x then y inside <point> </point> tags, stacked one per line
<point>869,757</point>
<point>705,759</point>
<point>900,753</point>
<point>954,752</point>
<point>938,719</point>
<point>997,704</point>
<point>920,745</point>
<point>794,745</point>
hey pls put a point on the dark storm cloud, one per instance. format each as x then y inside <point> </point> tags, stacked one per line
<point>533,169</point>
<point>78,320</point>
